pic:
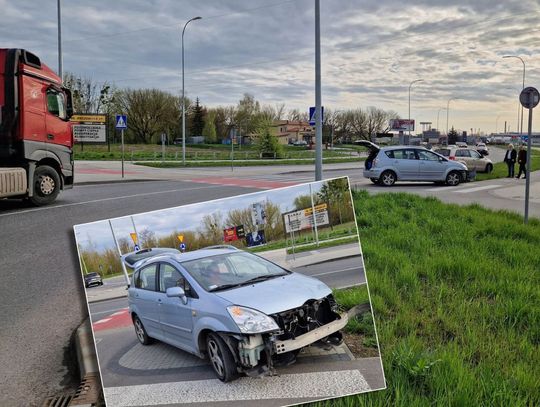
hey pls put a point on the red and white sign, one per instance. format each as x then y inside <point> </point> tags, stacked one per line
<point>402,124</point>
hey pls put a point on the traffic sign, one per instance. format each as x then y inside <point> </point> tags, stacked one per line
<point>529,97</point>
<point>121,121</point>
<point>137,248</point>
<point>180,238</point>
<point>182,247</point>
<point>312,111</point>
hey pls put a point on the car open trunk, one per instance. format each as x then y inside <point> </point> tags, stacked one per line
<point>373,150</point>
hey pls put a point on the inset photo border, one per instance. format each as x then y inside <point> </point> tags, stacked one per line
<point>258,299</point>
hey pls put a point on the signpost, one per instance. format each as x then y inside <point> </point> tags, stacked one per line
<point>312,118</point>
<point>121,124</point>
<point>89,128</point>
<point>529,99</point>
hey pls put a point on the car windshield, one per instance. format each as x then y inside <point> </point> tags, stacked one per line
<point>231,270</point>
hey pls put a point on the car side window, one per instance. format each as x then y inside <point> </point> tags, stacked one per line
<point>407,154</point>
<point>390,154</point>
<point>475,154</point>
<point>169,276</point>
<point>427,155</point>
<point>147,278</point>
<point>462,153</point>
<point>135,278</point>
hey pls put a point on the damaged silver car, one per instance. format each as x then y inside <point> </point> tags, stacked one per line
<point>245,314</point>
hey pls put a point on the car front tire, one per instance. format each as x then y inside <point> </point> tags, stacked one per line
<point>489,168</point>
<point>387,178</point>
<point>140,331</point>
<point>453,178</point>
<point>221,359</point>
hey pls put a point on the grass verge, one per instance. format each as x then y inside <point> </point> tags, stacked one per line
<point>456,298</point>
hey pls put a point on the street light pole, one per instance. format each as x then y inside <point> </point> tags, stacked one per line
<point>60,68</point>
<point>410,85</point>
<point>439,111</point>
<point>447,111</point>
<point>318,103</point>
<point>522,87</point>
<point>497,123</point>
<point>183,95</point>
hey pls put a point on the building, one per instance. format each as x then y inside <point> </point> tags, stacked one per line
<point>290,131</point>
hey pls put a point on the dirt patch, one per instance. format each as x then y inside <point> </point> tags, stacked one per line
<point>356,346</point>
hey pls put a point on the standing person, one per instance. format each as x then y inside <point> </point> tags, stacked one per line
<point>522,160</point>
<point>510,160</point>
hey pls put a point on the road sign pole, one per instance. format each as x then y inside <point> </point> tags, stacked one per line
<point>528,172</point>
<point>314,216</point>
<point>318,103</point>
<point>123,153</point>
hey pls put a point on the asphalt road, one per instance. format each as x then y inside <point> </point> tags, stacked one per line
<point>41,295</point>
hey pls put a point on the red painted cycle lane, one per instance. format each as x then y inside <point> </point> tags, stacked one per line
<point>120,319</point>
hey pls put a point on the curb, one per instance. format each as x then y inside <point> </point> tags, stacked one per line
<point>107,299</point>
<point>86,351</point>
<point>329,260</point>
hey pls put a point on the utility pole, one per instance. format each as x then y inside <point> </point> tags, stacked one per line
<point>318,103</point>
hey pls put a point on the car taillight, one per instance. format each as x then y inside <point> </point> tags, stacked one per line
<point>451,158</point>
<point>374,162</point>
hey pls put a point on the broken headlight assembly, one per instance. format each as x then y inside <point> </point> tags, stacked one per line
<point>251,321</point>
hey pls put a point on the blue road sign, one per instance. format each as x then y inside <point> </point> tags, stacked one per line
<point>312,115</point>
<point>121,121</point>
<point>182,246</point>
<point>525,139</point>
<point>137,247</point>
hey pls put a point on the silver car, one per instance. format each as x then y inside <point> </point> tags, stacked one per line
<point>386,165</point>
<point>243,312</point>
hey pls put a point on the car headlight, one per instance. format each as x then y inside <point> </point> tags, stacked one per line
<point>251,321</point>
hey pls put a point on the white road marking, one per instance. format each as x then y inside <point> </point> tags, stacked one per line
<point>44,208</point>
<point>122,310</point>
<point>334,272</point>
<point>294,386</point>
<point>101,321</point>
<point>119,313</point>
<point>483,188</point>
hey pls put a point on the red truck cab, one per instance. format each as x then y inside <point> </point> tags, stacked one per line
<point>35,132</point>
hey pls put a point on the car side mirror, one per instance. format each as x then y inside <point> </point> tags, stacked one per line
<point>177,292</point>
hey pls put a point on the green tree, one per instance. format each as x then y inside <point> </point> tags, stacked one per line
<point>266,141</point>
<point>452,136</point>
<point>209,131</point>
<point>197,119</point>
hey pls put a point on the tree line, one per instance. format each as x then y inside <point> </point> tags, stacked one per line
<point>152,112</point>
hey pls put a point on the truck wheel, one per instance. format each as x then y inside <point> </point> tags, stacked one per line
<point>46,185</point>
<point>220,357</point>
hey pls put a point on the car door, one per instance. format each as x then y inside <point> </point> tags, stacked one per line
<point>175,317</point>
<point>477,160</point>
<point>431,166</point>
<point>464,156</point>
<point>143,300</point>
<point>405,162</point>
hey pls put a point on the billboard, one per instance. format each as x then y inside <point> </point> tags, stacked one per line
<point>233,233</point>
<point>258,214</point>
<point>255,239</point>
<point>89,128</point>
<point>303,219</point>
<point>402,124</point>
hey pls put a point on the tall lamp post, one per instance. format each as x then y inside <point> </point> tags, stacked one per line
<point>410,85</point>
<point>183,95</point>
<point>448,110</point>
<point>439,111</point>
<point>522,87</point>
<point>60,68</point>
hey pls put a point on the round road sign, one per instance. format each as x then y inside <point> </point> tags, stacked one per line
<point>529,97</point>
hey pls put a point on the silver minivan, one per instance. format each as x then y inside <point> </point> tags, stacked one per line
<point>242,312</point>
<point>386,165</point>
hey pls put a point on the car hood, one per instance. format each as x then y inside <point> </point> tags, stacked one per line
<point>278,294</point>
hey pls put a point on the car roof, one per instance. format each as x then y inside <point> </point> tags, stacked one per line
<point>160,254</point>
<point>402,147</point>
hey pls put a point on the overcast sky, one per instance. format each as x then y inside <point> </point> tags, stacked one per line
<point>183,218</point>
<point>371,51</point>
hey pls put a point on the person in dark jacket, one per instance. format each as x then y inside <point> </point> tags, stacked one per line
<point>510,160</point>
<point>522,160</point>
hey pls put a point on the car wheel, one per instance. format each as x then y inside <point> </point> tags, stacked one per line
<point>221,358</point>
<point>489,168</point>
<point>46,185</point>
<point>453,178</point>
<point>374,180</point>
<point>142,336</point>
<point>387,178</point>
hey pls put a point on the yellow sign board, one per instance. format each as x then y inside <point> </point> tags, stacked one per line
<point>181,238</point>
<point>318,208</point>
<point>89,118</point>
<point>134,237</point>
